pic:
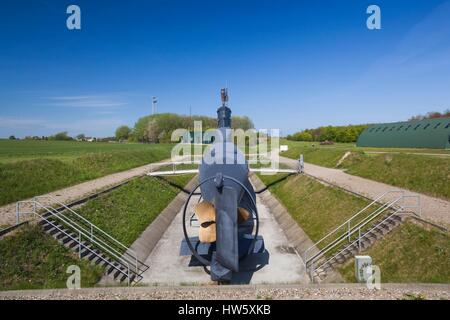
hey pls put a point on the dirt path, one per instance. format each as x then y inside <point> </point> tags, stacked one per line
<point>433,209</point>
<point>66,195</point>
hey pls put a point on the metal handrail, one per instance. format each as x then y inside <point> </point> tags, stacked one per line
<point>81,231</point>
<point>84,233</point>
<point>359,228</point>
<point>80,244</point>
<point>79,240</point>
<point>359,238</point>
<point>85,220</point>
<point>92,226</point>
<point>70,222</point>
<point>346,223</point>
<point>347,234</point>
<point>350,233</point>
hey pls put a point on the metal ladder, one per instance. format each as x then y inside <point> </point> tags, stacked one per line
<point>349,236</point>
<point>84,237</point>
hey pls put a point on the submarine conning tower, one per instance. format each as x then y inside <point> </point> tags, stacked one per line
<point>224,113</point>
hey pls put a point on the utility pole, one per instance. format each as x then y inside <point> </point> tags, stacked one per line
<point>154,105</point>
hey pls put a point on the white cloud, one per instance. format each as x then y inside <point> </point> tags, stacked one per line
<point>93,101</point>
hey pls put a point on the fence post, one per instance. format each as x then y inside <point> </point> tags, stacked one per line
<point>136,264</point>
<point>301,164</point>
<point>79,244</point>
<point>348,231</point>
<point>359,239</point>
<point>18,212</point>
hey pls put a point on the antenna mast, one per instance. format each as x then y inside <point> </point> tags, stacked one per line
<point>154,105</point>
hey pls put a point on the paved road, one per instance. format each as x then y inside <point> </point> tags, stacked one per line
<point>168,268</point>
<point>433,209</point>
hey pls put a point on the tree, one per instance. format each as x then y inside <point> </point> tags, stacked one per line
<point>62,136</point>
<point>81,137</point>
<point>123,133</point>
<point>303,136</point>
<point>153,131</point>
<point>12,138</point>
<point>159,127</point>
<point>431,115</point>
<point>244,123</point>
<point>330,133</point>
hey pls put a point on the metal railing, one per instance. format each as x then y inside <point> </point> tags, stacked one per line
<point>85,231</point>
<point>357,225</point>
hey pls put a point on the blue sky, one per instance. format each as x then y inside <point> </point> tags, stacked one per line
<point>288,64</point>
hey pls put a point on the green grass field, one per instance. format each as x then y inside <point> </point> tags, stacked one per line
<point>127,211</point>
<point>413,169</point>
<point>18,150</point>
<point>428,175</point>
<point>37,167</point>
<point>410,253</point>
<point>32,259</point>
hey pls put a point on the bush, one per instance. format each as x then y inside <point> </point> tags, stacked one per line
<point>123,133</point>
<point>61,136</point>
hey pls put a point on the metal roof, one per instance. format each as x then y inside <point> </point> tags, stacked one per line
<point>427,133</point>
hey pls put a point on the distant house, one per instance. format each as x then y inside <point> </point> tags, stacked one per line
<point>90,139</point>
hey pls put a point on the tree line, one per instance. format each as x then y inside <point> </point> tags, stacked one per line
<point>431,115</point>
<point>158,128</point>
<point>348,133</point>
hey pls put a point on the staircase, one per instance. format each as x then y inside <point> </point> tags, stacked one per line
<point>358,233</point>
<point>84,238</point>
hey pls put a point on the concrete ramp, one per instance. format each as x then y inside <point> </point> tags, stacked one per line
<point>167,267</point>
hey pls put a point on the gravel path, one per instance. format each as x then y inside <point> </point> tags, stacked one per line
<point>249,292</point>
<point>433,209</point>
<point>67,195</point>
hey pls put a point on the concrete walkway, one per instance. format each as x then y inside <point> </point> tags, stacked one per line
<point>167,267</point>
<point>433,209</point>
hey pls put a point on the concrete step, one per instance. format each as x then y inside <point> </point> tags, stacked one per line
<point>89,252</point>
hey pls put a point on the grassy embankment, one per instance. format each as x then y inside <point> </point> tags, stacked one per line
<point>126,212</point>
<point>29,168</point>
<point>411,169</point>
<point>32,259</point>
<point>315,207</point>
<point>410,253</point>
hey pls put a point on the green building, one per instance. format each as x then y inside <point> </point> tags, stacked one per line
<point>427,133</point>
